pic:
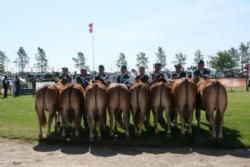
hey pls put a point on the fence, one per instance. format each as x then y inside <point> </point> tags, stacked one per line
<point>233,82</point>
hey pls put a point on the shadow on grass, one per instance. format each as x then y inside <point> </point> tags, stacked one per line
<point>200,142</point>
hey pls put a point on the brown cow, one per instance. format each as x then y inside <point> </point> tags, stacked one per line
<point>213,98</point>
<point>185,95</point>
<point>140,103</point>
<point>72,107</point>
<point>96,100</point>
<point>118,107</point>
<point>161,100</point>
<point>46,98</point>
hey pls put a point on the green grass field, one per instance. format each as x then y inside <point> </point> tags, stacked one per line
<point>18,121</point>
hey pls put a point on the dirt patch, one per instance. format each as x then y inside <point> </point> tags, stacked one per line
<point>22,153</point>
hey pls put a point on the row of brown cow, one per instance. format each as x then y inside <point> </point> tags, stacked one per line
<point>181,96</point>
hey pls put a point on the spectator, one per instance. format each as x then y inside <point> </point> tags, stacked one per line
<point>65,78</point>
<point>142,76</point>
<point>102,76</point>
<point>83,79</point>
<point>178,72</point>
<point>157,74</point>
<point>33,82</point>
<point>124,77</point>
<point>17,86</point>
<point>6,85</point>
<point>201,72</point>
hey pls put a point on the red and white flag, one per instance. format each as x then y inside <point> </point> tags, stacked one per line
<point>91,28</point>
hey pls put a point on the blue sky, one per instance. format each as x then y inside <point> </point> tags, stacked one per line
<point>61,28</point>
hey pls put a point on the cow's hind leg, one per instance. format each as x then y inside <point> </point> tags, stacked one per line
<point>156,117</point>
<point>180,111</point>
<point>190,120</point>
<point>210,113</point>
<point>55,125</point>
<point>111,120</point>
<point>168,116</point>
<point>147,118</point>
<point>99,123</point>
<point>77,123</point>
<point>219,122</point>
<point>91,124</point>
<point>50,119</point>
<point>126,121</point>
<point>64,116</point>
<point>141,120</point>
<point>134,120</point>
<point>40,135</point>
<point>40,131</point>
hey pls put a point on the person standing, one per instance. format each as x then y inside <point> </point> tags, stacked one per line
<point>33,82</point>
<point>65,78</point>
<point>6,85</point>
<point>102,76</point>
<point>201,72</point>
<point>142,76</point>
<point>157,74</point>
<point>124,77</point>
<point>83,79</point>
<point>17,86</point>
<point>178,72</point>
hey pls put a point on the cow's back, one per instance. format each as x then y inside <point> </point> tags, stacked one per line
<point>139,95</point>
<point>161,95</point>
<point>72,101</point>
<point>213,95</point>
<point>47,98</point>
<point>96,96</point>
<point>185,92</point>
<point>118,96</point>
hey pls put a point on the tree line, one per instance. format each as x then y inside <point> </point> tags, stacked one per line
<point>23,60</point>
<point>222,61</point>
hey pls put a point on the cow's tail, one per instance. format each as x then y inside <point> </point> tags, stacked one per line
<point>186,108</point>
<point>137,113</point>
<point>218,115</point>
<point>95,88</point>
<point>119,113</point>
<point>70,113</point>
<point>161,90</point>
<point>40,111</point>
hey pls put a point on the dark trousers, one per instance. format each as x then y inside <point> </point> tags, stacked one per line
<point>5,92</point>
<point>247,85</point>
<point>17,93</point>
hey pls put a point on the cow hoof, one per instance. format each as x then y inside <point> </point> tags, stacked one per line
<point>127,137</point>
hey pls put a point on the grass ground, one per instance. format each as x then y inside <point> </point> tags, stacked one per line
<point>18,120</point>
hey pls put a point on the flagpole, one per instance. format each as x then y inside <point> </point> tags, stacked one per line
<point>93,51</point>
